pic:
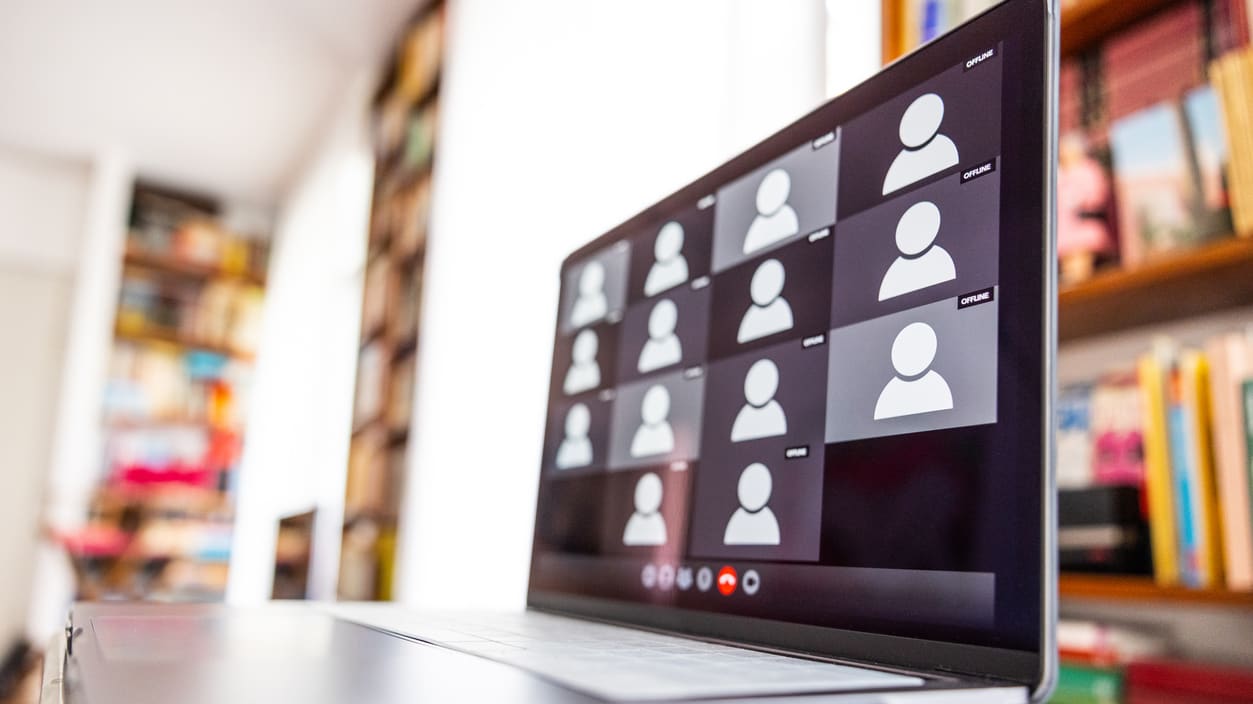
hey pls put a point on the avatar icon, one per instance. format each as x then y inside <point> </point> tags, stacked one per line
<point>655,436</point>
<point>926,150</point>
<point>576,448</point>
<point>922,262</point>
<point>591,304</point>
<point>761,416</point>
<point>662,348</point>
<point>646,526</point>
<point>916,388</point>
<point>584,372</point>
<point>770,311</point>
<point>776,220</point>
<point>670,266</point>
<point>753,523</point>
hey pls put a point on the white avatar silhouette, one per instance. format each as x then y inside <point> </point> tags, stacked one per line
<point>926,150</point>
<point>762,416</point>
<point>662,348</point>
<point>646,526</point>
<point>576,448</point>
<point>922,262</point>
<point>917,388</point>
<point>753,523</point>
<point>670,268</point>
<point>655,436</point>
<point>776,220</point>
<point>770,312</point>
<point>584,372</point>
<point>591,304</point>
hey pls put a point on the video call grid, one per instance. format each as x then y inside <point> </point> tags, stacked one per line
<point>682,258</point>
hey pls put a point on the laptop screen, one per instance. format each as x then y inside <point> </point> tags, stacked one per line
<point>809,387</point>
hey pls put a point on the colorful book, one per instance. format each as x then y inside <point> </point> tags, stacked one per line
<point>1153,182</point>
<point>1247,399</point>
<point>1196,507</point>
<point>1224,75</point>
<point>1231,361</point>
<point>1074,437</point>
<point>1117,432</point>
<point>1152,370</point>
<point>1077,684</point>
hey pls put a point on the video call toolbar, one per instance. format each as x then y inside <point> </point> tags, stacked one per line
<point>843,291</point>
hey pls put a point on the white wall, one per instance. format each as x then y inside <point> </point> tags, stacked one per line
<point>42,203</point>
<point>560,119</point>
<point>296,443</point>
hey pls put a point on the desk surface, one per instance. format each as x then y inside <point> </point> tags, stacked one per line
<point>206,654</point>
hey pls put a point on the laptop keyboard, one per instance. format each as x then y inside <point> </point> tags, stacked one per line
<point>616,662</point>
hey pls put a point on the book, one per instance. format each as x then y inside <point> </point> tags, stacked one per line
<point>1152,370</point>
<point>1231,361</point>
<point>1074,437</point>
<point>1225,76</point>
<point>1208,148</point>
<point>1102,529</point>
<point>1195,499</point>
<point>1247,403</point>
<point>1155,60</point>
<point>1079,684</point>
<point>1117,432</point>
<point>1105,644</point>
<point>1169,681</point>
<point>1160,207</point>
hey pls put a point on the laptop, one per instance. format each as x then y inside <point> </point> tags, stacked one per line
<point>798,438</point>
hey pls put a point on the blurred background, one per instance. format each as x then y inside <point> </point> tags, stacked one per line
<point>259,263</point>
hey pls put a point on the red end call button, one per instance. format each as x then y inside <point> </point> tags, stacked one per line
<point>727,580</point>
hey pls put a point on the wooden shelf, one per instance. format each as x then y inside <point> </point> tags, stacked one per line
<point>1215,277</point>
<point>1145,590</point>
<point>175,266</point>
<point>172,338</point>
<point>1086,22</point>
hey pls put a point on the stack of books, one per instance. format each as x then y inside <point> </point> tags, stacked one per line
<point>1179,430</point>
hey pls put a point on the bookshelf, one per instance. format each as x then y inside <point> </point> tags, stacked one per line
<point>405,118</point>
<point>1216,277</point>
<point>159,523</point>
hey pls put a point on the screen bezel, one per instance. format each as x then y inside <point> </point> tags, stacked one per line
<point>1034,23</point>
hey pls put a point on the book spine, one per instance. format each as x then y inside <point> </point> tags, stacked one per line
<point>1157,472</point>
<point>1084,685</point>
<point>1246,398</point>
<point>1227,366</point>
<point>1242,79</point>
<point>1220,72</point>
<point>1196,404</point>
<point>1183,495</point>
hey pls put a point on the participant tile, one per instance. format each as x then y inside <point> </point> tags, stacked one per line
<point>577,437</point>
<point>593,289</point>
<point>656,421</point>
<point>955,129</point>
<point>783,295</point>
<point>783,201</point>
<point>664,333</point>
<point>873,276</point>
<point>671,253</point>
<point>922,369</point>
